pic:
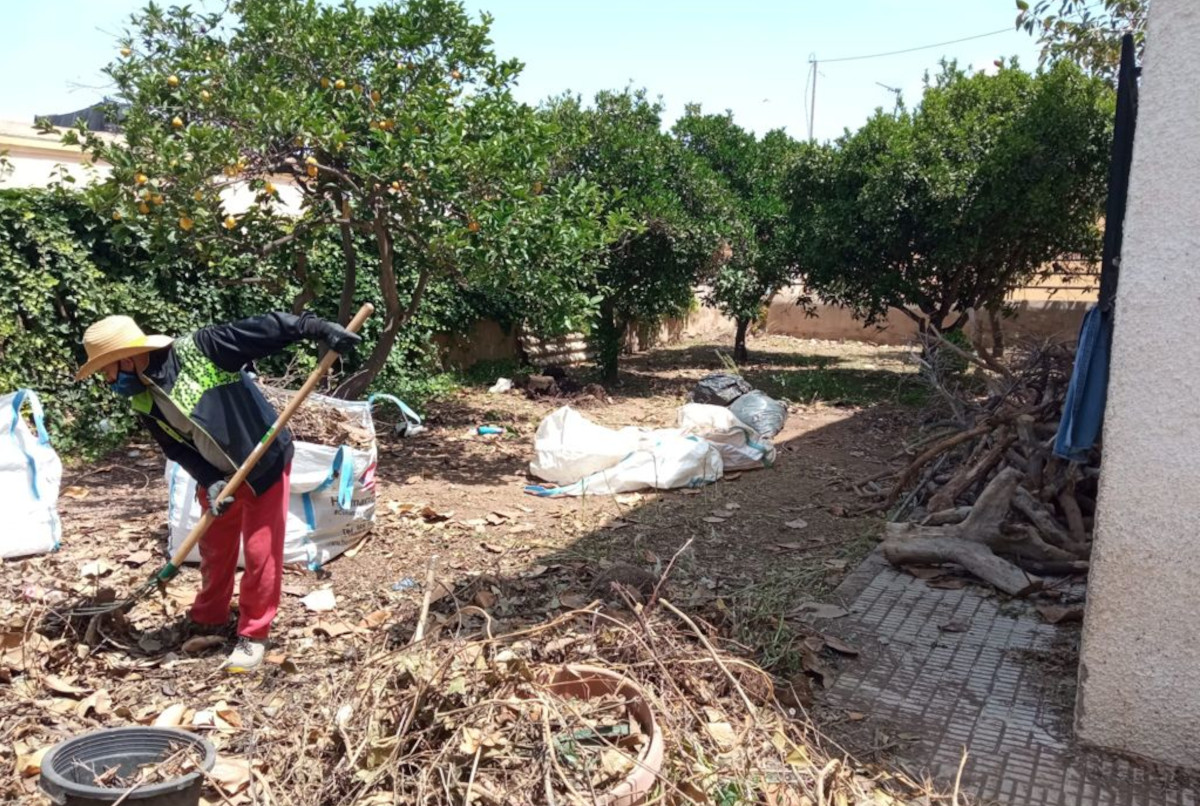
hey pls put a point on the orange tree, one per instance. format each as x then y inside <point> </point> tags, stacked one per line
<point>666,213</point>
<point>396,127</point>
<point>760,260</point>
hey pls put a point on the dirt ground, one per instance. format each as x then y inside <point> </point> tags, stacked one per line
<point>763,543</point>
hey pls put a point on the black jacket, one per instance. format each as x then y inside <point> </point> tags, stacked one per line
<point>204,410</point>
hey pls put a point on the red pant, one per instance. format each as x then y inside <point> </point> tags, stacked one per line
<point>260,521</point>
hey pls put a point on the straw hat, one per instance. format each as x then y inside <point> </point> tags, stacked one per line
<point>114,338</point>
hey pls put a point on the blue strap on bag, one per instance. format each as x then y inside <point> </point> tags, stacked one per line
<point>39,422</point>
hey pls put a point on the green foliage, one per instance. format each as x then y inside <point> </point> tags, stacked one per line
<point>392,123</point>
<point>1085,32</point>
<point>664,209</point>
<point>758,262</point>
<point>59,272</point>
<point>948,207</point>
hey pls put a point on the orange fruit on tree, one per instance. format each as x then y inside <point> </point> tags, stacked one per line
<point>339,84</point>
<point>198,195</point>
<point>205,95</point>
<point>172,81</point>
<point>177,122</point>
<point>143,208</point>
<point>185,223</point>
<point>456,75</point>
<point>157,198</point>
<point>126,52</point>
<point>116,215</point>
<point>310,160</point>
<point>269,188</point>
<point>473,226</point>
<point>375,96</point>
<point>312,171</point>
<point>324,83</point>
<point>230,222</point>
<point>141,179</point>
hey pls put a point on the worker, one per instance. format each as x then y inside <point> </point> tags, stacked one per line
<point>195,397</point>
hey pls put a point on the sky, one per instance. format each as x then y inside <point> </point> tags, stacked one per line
<point>750,57</point>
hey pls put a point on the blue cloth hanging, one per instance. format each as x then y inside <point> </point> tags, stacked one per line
<point>1083,409</point>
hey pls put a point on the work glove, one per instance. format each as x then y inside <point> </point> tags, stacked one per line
<point>216,504</point>
<point>339,339</point>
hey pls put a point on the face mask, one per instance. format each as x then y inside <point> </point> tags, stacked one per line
<point>127,384</point>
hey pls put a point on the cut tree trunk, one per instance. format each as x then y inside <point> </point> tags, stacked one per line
<point>740,353</point>
<point>973,543</point>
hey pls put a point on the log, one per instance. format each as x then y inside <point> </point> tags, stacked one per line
<point>1045,523</point>
<point>1073,514</point>
<point>931,453</point>
<point>969,475</point>
<point>970,543</point>
<point>946,516</point>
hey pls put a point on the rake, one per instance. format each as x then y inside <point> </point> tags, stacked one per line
<point>165,574</point>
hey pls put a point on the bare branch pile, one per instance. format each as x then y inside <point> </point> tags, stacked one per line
<point>981,487</point>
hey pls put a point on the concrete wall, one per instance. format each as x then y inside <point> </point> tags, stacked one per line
<point>1140,667</point>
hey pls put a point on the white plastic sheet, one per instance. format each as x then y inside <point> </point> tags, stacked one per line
<point>30,476</point>
<point>583,458</point>
<point>740,446</point>
<point>332,497</point>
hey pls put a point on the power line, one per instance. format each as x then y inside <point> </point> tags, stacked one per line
<point>919,47</point>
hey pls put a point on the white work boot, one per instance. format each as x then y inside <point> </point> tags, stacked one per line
<point>246,656</point>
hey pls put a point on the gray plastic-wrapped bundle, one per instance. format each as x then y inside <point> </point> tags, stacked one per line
<point>719,389</point>
<point>762,413</point>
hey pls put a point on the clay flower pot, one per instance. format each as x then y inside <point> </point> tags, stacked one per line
<point>577,681</point>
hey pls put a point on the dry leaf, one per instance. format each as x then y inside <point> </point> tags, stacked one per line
<point>225,713</point>
<point>333,629</point>
<point>947,583</point>
<point>232,775</point>
<point>496,518</point>
<point>723,734</point>
<point>799,523</point>
<point>100,702</point>
<point>199,643</point>
<point>955,626</point>
<point>30,764</point>
<point>522,528</point>
<point>855,716</point>
<point>819,610</point>
<point>373,620</point>
<point>60,686</point>
<point>138,558</point>
<point>1061,614</point>
<point>615,763</point>
<point>320,601</point>
<point>492,547</point>
<point>713,519</point>
<point>431,515</point>
<point>171,717</point>
<point>485,598</point>
<point>95,569</point>
<point>75,492</point>
<point>793,546</point>
<point>574,601</point>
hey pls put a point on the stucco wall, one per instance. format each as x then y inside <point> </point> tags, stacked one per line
<point>1140,668</point>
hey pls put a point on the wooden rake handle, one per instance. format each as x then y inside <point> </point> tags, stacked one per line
<point>177,559</point>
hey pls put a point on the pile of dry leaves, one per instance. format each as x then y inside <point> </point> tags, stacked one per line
<point>455,701</point>
<point>319,422</point>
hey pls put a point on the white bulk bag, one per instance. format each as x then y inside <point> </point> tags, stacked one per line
<point>569,446</point>
<point>740,445</point>
<point>332,501</point>
<point>30,475</point>
<point>619,461</point>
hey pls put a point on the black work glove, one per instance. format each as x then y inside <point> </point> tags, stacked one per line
<point>339,339</point>
<point>216,504</point>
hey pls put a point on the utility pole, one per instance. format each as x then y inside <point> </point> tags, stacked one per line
<point>812,108</point>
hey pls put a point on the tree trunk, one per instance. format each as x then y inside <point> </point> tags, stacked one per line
<point>306,294</point>
<point>394,316</point>
<point>350,277</point>
<point>740,353</point>
<point>608,340</point>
